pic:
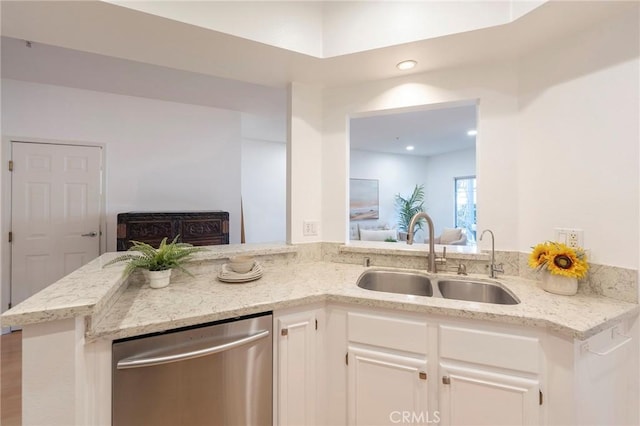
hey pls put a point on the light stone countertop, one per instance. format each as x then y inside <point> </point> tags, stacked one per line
<point>118,310</point>
<point>188,301</point>
<point>91,289</point>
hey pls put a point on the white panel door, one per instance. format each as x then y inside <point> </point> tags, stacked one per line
<point>55,213</point>
<point>386,388</point>
<point>296,381</point>
<point>473,396</point>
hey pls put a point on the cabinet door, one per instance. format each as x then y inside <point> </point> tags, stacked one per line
<point>296,377</point>
<point>474,396</point>
<point>383,387</point>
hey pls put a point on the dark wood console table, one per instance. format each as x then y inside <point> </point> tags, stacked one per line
<point>200,228</point>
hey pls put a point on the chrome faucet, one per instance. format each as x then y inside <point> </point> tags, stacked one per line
<point>431,267</point>
<point>492,267</point>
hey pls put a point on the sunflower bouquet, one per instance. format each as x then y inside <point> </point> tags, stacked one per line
<point>559,259</point>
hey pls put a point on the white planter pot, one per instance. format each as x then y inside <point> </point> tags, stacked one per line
<point>157,279</point>
<point>557,284</point>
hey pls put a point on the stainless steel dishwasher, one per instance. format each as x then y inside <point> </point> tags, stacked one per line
<point>217,374</point>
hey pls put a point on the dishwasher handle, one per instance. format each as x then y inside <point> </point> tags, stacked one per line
<point>133,362</point>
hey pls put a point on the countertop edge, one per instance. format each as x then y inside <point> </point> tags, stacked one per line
<point>47,315</point>
<point>518,320</point>
<point>159,327</point>
<point>525,321</point>
<point>94,306</point>
<point>106,292</point>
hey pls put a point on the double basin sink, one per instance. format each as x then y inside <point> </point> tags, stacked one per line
<point>418,284</point>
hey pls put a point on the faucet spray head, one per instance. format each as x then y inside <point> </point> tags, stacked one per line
<point>490,233</point>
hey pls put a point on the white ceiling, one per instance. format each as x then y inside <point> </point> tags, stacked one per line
<point>332,28</point>
<point>99,46</point>
<point>431,132</point>
<point>111,30</point>
<point>47,64</point>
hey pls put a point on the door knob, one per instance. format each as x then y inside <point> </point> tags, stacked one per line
<point>90,234</point>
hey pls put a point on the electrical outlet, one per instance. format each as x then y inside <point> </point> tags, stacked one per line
<point>309,228</point>
<point>571,237</point>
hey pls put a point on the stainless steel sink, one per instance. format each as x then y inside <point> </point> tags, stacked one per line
<point>476,291</point>
<point>418,284</point>
<point>396,282</point>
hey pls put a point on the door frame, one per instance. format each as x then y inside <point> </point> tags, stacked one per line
<point>5,210</point>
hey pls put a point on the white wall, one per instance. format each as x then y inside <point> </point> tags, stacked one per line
<point>495,87</point>
<point>578,141</point>
<point>557,142</point>
<point>305,178</point>
<point>441,171</point>
<point>159,155</point>
<point>264,190</point>
<point>395,174</point>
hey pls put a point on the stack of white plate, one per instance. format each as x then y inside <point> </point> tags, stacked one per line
<point>229,276</point>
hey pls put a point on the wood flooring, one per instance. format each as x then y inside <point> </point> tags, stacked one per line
<point>11,379</point>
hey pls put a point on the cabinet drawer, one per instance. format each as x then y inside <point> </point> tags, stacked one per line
<point>490,348</point>
<point>402,334</point>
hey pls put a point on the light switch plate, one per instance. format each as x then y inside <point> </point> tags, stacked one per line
<point>309,228</point>
<point>570,236</point>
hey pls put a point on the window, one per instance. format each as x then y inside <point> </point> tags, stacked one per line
<point>465,188</point>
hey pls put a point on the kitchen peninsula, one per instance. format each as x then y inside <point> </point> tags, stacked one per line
<point>77,318</point>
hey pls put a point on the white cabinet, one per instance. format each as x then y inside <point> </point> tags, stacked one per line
<point>387,368</point>
<point>478,396</point>
<point>412,368</point>
<point>296,363</point>
<point>488,377</point>
<point>383,386</point>
<point>367,366</point>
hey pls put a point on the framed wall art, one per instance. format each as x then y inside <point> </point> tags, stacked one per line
<point>363,199</point>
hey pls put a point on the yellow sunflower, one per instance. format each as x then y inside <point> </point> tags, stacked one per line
<point>560,259</point>
<point>538,256</point>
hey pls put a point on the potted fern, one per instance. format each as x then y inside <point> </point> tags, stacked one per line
<point>157,263</point>
<point>407,208</point>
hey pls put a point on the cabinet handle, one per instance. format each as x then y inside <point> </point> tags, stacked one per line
<point>446,380</point>
<point>284,332</point>
<point>423,375</point>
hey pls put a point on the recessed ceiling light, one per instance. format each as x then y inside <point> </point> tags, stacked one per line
<point>410,148</point>
<point>406,65</point>
<point>472,132</point>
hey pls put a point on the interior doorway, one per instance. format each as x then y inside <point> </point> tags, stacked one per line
<point>55,213</point>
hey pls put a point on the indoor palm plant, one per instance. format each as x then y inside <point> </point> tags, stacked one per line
<point>157,263</point>
<point>408,207</point>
